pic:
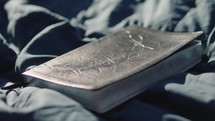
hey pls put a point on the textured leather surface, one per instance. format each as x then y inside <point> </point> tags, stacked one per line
<point>111,58</point>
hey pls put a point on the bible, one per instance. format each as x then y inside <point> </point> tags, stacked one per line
<point>105,73</point>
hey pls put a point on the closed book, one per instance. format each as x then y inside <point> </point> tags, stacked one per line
<point>105,73</point>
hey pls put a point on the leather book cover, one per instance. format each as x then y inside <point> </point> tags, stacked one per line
<point>111,58</point>
<point>108,61</point>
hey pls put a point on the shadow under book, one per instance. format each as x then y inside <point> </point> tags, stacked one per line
<point>105,73</point>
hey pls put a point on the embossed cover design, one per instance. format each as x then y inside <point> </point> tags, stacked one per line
<point>112,58</point>
<point>107,72</point>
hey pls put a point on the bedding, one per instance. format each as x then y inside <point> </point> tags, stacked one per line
<point>35,31</point>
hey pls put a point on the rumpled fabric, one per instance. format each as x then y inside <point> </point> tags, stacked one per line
<point>35,31</point>
<point>34,104</point>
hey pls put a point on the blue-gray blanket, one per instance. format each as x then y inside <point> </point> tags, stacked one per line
<point>35,31</point>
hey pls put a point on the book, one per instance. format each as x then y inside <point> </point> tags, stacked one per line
<point>105,73</point>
